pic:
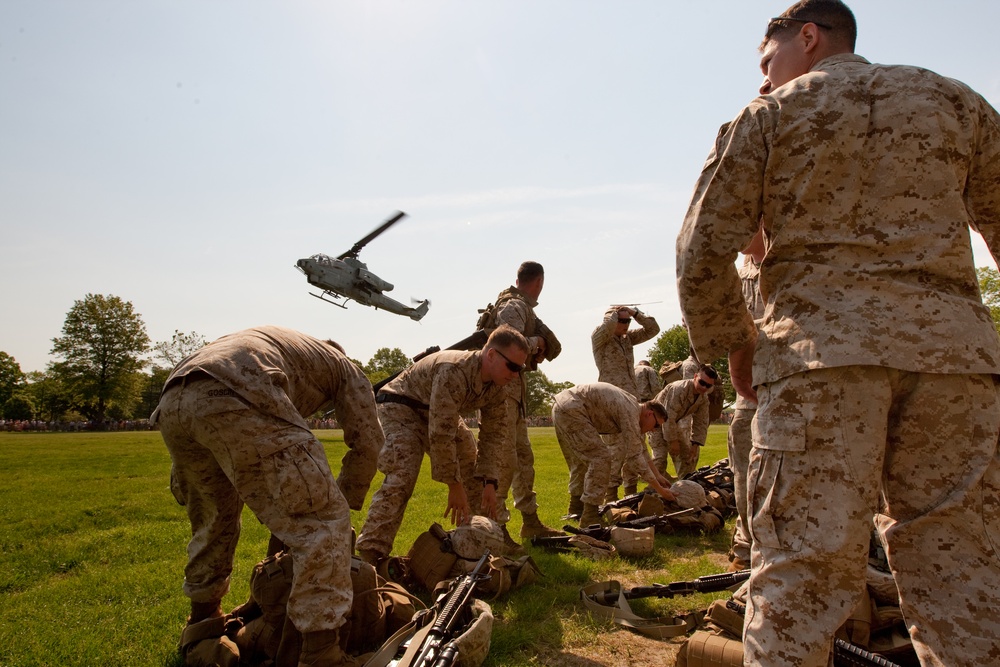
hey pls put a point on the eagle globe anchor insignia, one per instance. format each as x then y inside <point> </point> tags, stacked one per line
<point>346,278</point>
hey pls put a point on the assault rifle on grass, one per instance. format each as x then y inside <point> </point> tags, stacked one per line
<point>845,654</point>
<point>435,646</point>
<point>603,533</point>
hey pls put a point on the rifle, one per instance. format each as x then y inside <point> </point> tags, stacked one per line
<point>603,533</point>
<point>710,583</point>
<point>632,501</point>
<point>437,647</point>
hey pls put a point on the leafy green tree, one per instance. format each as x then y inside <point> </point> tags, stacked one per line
<point>674,345</point>
<point>541,392</point>
<point>181,345</point>
<point>385,362</point>
<point>671,345</point>
<point>989,287</point>
<point>48,395</point>
<point>11,378</point>
<point>19,406</point>
<point>102,346</point>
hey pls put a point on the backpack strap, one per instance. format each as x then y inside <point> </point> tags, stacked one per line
<point>622,614</point>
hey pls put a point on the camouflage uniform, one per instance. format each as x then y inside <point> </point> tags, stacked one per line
<point>876,360</point>
<point>687,422</point>
<point>231,416</point>
<point>615,361</point>
<point>740,437</point>
<point>581,415</point>
<point>517,463</point>
<point>647,382</point>
<point>450,384</point>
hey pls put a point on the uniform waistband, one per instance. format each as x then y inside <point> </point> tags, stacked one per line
<point>412,403</point>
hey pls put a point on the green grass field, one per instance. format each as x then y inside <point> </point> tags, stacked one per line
<point>93,552</point>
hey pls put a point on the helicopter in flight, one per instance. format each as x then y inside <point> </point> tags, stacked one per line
<point>345,278</point>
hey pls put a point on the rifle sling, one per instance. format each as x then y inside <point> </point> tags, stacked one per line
<point>622,614</point>
<point>417,629</point>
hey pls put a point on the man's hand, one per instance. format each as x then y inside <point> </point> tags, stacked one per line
<point>458,505</point>
<point>741,370</point>
<point>664,492</point>
<point>489,501</point>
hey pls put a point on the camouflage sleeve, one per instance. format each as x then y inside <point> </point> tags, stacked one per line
<point>604,333</point>
<point>514,313</point>
<point>448,388</point>
<point>495,427</point>
<point>722,218</point>
<point>982,189</point>
<point>635,448</point>
<point>355,409</point>
<point>699,422</point>
<point>649,328</point>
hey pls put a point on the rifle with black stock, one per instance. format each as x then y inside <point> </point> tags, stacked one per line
<point>434,645</point>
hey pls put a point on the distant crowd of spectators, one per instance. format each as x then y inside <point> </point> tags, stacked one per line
<point>19,425</point>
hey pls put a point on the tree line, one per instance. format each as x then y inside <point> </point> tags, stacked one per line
<point>107,367</point>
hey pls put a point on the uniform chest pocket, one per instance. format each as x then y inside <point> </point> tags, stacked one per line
<point>778,489</point>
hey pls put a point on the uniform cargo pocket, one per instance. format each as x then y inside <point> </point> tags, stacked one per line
<point>297,481</point>
<point>778,493</point>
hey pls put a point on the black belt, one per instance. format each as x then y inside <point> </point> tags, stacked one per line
<point>386,397</point>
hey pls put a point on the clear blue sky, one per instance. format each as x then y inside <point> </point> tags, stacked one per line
<point>183,155</point>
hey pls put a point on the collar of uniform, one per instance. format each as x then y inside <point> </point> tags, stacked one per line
<point>837,59</point>
<point>524,297</point>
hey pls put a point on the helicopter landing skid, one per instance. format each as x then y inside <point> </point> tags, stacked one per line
<point>322,297</point>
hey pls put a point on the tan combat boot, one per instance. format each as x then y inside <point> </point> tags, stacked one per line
<point>575,507</point>
<point>533,527</point>
<point>321,648</point>
<point>612,494</point>
<point>511,548</point>
<point>590,516</point>
<point>631,489</point>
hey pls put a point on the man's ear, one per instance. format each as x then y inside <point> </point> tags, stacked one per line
<point>809,35</point>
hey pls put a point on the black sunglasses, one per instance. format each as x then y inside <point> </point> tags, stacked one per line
<point>624,320</point>
<point>514,368</point>
<point>705,384</point>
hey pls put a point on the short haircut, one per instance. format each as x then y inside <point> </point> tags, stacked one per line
<point>507,336</point>
<point>833,14</point>
<point>708,371</point>
<point>657,409</point>
<point>528,271</point>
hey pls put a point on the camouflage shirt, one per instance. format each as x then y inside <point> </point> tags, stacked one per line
<point>647,382</point>
<point>680,400</point>
<point>450,382</point>
<point>750,279</point>
<point>289,375</point>
<point>866,179</point>
<point>610,411</point>
<point>516,309</point>
<point>613,354</point>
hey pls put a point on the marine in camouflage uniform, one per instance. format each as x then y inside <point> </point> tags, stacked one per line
<point>647,382</point>
<point>421,412</point>
<point>515,307</point>
<point>740,438</point>
<point>232,417</point>
<point>876,364</point>
<point>584,413</point>
<point>613,344</point>
<point>686,427</point>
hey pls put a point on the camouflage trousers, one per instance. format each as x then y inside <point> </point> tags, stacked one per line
<point>831,447</point>
<point>740,443</point>
<point>517,469</point>
<point>225,453</point>
<point>589,458</point>
<point>681,452</point>
<point>620,473</point>
<point>400,460</point>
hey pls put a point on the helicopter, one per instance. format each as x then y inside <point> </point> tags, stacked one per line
<point>345,278</point>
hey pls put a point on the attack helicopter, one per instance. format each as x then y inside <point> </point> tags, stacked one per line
<point>345,278</point>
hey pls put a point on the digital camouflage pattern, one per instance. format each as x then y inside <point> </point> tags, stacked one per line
<point>647,382</point>
<point>583,413</point>
<point>517,463</point>
<point>687,422</point>
<point>451,384</point>
<point>740,438</point>
<point>231,418</point>
<point>614,355</point>
<point>876,358</point>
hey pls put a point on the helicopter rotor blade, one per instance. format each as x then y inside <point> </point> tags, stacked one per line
<point>356,248</point>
